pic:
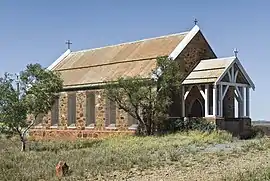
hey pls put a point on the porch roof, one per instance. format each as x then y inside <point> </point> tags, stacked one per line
<point>209,71</point>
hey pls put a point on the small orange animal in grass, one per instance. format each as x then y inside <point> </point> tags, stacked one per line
<point>61,169</point>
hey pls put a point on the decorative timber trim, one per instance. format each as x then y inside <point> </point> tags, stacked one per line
<point>225,91</point>
<point>187,92</point>
<point>232,74</point>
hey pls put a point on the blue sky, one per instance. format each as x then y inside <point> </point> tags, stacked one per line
<point>35,31</point>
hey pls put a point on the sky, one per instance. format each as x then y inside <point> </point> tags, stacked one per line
<point>34,31</point>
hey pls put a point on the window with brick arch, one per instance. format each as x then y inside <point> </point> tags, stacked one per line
<point>55,112</point>
<point>90,109</point>
<point>110,113</point>
<point>72,109</point>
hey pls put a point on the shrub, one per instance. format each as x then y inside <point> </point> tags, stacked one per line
<point>251,133</point>
<point>185,124</point>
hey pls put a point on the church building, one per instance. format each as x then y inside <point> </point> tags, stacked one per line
<point>217,89</point>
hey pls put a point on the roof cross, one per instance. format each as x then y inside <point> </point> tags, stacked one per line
<point>235,52</point>
<point>68,43</point>
<point>195,21</point>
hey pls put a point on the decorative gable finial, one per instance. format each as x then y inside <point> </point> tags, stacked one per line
<point>235,51</point>
<point>68,42</point>
<point>195,21</point>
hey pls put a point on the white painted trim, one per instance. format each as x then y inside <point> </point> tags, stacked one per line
<point>183,102</point>
<point>133,127</point>
<point>71,127</point>
<point>110,127</point>
<point>214,100</point>
<point>228,68</point>
<point>230,76</point>
<point>206,101</point>
<point>201,91</point>
<point>182,45</point>
<point>232,69</point>
<point>187,92</point>
<point>235,76</point>
<point>54,127</point>
<point>244,101</point>
<point>91,126</point>
<point>220,101</point>
<point>236,95</point>
<point>234,84</point>
<point>231,66</point>
<point>225,91</point>
<point>247,102</point>
<point>245,73</point>
<point>56,62</point>
<point>239,93</point>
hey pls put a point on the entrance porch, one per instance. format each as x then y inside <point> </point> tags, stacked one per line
<point>219,90</point>
<point>230,100</point>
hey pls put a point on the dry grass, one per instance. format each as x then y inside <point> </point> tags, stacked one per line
<point>172,157</point>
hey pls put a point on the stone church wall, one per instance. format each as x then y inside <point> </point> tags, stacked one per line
<point>62,130</point>
<point>198,49</point>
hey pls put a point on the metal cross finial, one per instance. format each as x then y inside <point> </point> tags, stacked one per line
<point>68,43</point>
<point>235,52</point>
<point>195,21</point>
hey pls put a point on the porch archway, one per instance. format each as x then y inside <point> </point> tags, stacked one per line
<point>196,109</point>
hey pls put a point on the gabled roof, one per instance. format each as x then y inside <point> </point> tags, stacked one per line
<point>208,71</point>
<point>213,70</point>
<point>108,63</point>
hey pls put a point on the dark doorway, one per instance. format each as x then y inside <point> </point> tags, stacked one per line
<point>196,109</point>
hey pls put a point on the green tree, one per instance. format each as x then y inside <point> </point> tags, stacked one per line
<point>148,100</point>
<point>31,93</point>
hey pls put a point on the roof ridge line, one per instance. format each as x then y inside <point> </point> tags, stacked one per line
<point>136,41</point>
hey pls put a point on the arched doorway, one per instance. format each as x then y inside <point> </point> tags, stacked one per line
<point>196,109</point>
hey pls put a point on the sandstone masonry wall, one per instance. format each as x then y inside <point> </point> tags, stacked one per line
<point>198,49</point>
<point>121,116</point>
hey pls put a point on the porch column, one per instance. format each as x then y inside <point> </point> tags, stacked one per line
<point>183,101</point>
<point>220,101</point>
<point>241,103</point>
<point>206,101</point>
<point>214,100</point>
<point>247,102</point>
<point>244,106</point>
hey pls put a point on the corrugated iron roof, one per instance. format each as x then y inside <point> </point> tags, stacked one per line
<point>208,71</point>
<point>109,63</point>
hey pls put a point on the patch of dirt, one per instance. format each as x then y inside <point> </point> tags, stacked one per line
<point>212,163</point>
<point>214,169</point>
